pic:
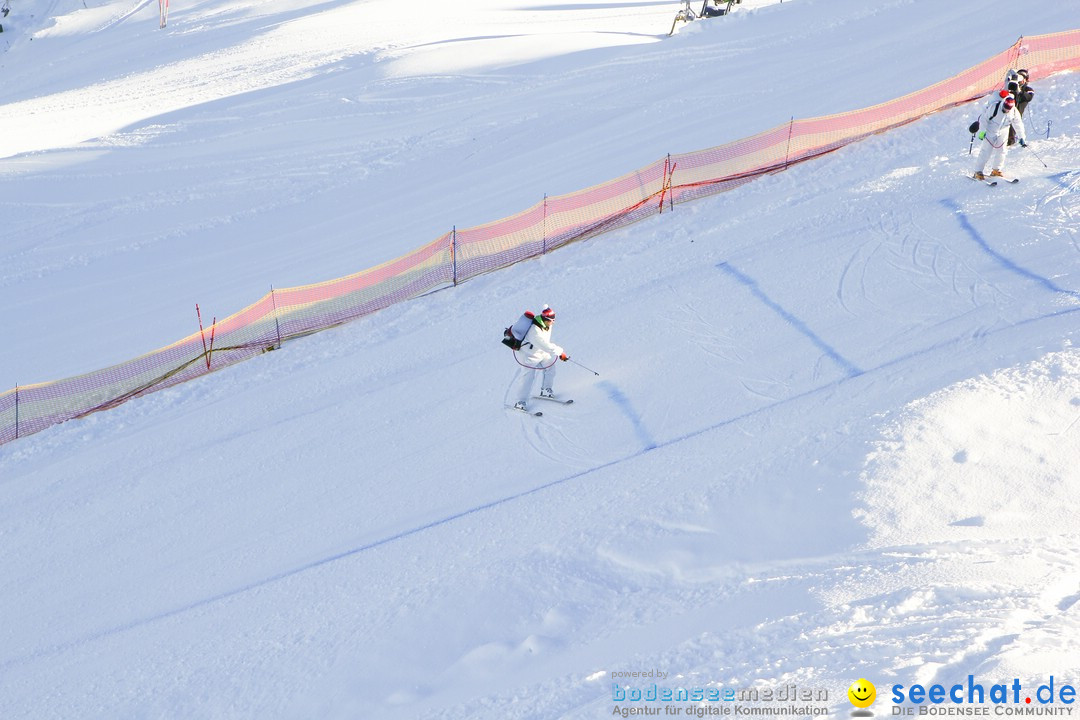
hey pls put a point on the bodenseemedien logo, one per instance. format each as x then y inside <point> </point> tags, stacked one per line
<point>758,702</point>
<point>862,694</point>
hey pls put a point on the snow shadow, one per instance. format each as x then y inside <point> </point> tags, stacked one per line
<point>849,368</point>
<point>1005,262</point>
<point>627,409</point>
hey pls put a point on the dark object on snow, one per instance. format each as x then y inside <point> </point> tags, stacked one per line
<point>709,8</point>
<point>718,8</point>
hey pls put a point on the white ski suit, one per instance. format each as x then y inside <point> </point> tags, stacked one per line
<point>537,351</point>
<point>995,122</point>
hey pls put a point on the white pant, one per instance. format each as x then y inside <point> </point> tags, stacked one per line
<point>992,156</point>
<point>527,377</point>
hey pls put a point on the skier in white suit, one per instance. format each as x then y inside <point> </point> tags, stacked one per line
<point>997,117</point>
<point>538,355</point>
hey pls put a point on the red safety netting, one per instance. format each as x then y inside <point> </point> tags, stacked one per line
<point>292,312</point>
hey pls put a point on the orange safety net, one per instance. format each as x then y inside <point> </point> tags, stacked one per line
<point>463,254</point>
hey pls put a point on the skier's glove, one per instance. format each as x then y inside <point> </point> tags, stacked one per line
<point>564,357</point>
<point>982,135</point>
<point>973,127</point>
<point>1023,143</point>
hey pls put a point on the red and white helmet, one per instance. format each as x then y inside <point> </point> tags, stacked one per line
<point>548,313</point>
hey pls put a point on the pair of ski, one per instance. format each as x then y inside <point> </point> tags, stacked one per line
<point>540,397</point>
<point>994,182</point>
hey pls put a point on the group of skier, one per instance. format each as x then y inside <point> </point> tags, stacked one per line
<point>1001,124</point>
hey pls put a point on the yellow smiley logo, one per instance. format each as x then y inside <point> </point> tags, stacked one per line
<point>862,693</point>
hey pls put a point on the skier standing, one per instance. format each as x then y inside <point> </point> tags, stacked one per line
<point>1024,94</point>
<point>538,353</point>
<point>1000,115</point>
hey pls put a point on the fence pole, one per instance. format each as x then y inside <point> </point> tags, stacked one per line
<point>453,251</point>
<point>671,186</point>
<point>787,153</point>
<point>543,239</point>
<point>277,322</point>
<point>207,353</point>
<point>213,329</point>
<point>16,411</point>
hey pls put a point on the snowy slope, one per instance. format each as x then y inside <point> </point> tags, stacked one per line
<point>833,435</point>
<point>248,145</point>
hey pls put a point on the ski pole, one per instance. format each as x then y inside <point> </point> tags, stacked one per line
<point>972,143</point>
<point>580,365</point>
<point>1036,156</point>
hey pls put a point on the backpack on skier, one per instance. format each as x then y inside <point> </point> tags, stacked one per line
<point>513,335</point>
